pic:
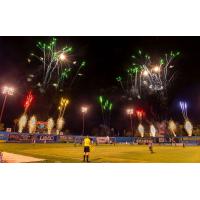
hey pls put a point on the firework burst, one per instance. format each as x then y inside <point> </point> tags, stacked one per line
<point>143,75</point>
<point>57,65</point>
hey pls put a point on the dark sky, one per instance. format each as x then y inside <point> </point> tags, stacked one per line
<point>106,58</point>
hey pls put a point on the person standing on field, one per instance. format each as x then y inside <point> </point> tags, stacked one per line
<point>86,143</point>
<point>150,146</point>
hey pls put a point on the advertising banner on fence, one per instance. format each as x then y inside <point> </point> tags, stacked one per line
<point>124,139</point>
<point>143,140</point>
<point>67,138</point>
<point>103,140</point>
<point>3,136</point>
<point>23,138</point>
<point>46,138</point>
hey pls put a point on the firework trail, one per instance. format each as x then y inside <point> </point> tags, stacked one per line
<point>28,101</point>
<point>62,106</point>
<point>106,109</point>
<point>183,106</point>
<point>23,119</point>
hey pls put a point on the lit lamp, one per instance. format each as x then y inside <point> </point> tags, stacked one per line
<point>6,91</point>
<point>129,112</point>
<point>84,110</point>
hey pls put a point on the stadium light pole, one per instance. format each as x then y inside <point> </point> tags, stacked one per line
<point>129,112</point>
<point>84,110</point>
<point>7,91</point>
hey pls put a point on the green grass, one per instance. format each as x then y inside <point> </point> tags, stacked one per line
<point>106,153</point>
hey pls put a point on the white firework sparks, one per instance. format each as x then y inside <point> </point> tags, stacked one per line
<point>188,127</point>
<point>152,131</point>
<point>60,124</point>
<point>22,123</point>
<point>141,130</point>
<point>32,124</point>
<point>50,125</point>
<point>172,127</point>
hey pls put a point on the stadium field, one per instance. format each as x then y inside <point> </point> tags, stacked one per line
<point>121,153</point>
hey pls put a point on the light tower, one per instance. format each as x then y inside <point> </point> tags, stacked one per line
<point>6,91</point>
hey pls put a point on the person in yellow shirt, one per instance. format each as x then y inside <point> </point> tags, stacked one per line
<point>86,143</point>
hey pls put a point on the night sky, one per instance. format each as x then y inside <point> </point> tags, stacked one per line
<point>106,57</point>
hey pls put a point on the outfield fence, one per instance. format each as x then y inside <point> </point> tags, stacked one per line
<point>45,138</point>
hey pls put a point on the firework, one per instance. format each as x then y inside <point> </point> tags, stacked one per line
<point>188,127</point>
<point>141,130</point>
<point>140,114</point>
<point>143,75</point>
<point>183,106</point>
<point>152,131</point>
<point>62,106</point>
<point>28,101</point>
<point>50,125</point>
<point>22,123</point>
<point>60,124</point>
<point>158,77</point>
<point>57,65</point>
<point>105,103</point>
<point>32,124</point>
<point>106,109</point>
<point>172,127</point>
<point>187,124</point>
